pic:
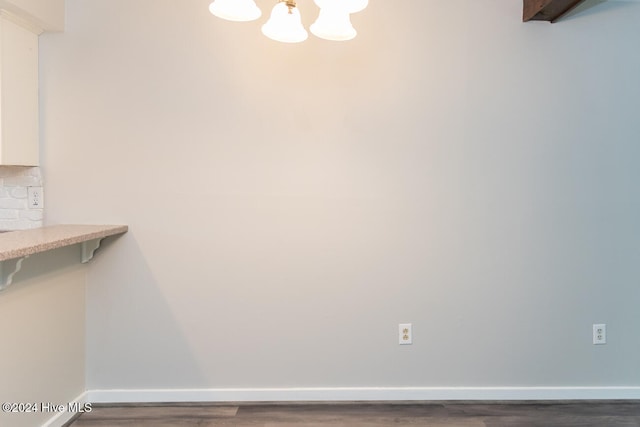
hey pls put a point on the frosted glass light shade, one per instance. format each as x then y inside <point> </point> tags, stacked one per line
<point>333,24</point>
<point>235,10</point>
<point>283,26</point>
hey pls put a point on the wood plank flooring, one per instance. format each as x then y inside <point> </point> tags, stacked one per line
<point>429,414</point>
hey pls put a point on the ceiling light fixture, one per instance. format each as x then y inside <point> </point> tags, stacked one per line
<point>334,22</point>
<point>285,24</point>
<point>285,21</point>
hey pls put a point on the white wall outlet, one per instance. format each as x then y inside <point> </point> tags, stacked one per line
<point>35,197</point>
<point>405,335</point>
<point>600,334</point>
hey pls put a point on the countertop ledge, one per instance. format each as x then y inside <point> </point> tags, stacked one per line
<point>22,243</point>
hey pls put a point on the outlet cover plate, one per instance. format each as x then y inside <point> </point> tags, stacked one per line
<point>35,197</point>
<point>599,334</point>
<point>405,334</point>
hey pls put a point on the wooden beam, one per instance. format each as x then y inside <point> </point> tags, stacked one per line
<point>547,10</point>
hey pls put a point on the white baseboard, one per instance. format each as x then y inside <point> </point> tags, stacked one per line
<point>59,419</point>
<point>371,394</point>
<point>363,394</point>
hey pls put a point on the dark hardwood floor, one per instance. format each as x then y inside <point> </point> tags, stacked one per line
<point>432,414</point>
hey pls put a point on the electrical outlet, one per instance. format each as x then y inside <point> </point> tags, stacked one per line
<point>599,334</point>
<point>405,335</point>
<point>35,197</point>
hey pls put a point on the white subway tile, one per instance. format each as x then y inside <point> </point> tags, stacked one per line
<point>31,172</point>
<point>22,181</point>
<point>8,214</point>
<point>7,225</point>
<point>19,192</point>
<point>32,214</point>
<point>14,211</point>
<point>9,203</point>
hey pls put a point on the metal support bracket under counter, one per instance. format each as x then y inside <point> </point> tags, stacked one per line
<point>16,246</point>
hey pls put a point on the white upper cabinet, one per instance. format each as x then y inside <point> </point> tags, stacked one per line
<point>19,140</point>
<point>21,22</point>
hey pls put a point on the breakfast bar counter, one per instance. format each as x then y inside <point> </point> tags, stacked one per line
<point>15,246</point>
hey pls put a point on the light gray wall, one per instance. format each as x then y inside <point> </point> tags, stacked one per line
<point>289,205</point>
<point>42,324</point>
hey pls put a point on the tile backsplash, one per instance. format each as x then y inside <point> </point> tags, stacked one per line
<point>15,212</point>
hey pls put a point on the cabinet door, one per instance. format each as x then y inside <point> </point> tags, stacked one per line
<point>18,95</point>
